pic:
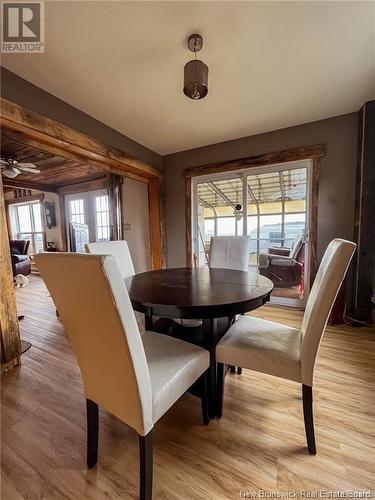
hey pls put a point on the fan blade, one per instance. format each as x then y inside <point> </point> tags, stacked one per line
<point>26,165</point>
<point>15,169</point>
<point>28,169</point>
<point>3,162</point>
<point>10,173</point>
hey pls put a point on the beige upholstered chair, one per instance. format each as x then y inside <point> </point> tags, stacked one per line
<point>119,250</point>
<point>284,351</point>
<point>230,252</point>
<point>136,378</point>
<point>226,252</point>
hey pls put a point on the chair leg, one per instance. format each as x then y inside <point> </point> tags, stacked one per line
<point>146,466</point>
<point>204,399</point>
<point>239,370</point>
<point>307,399</point>
<point>232,369</point>
<point>220,389</point>
<point>92,411</point>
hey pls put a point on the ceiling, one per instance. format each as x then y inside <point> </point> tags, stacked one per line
<point>271,65</point>
<point>55,171</point>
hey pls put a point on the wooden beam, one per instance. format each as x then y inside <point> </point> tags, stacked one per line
<point>157,234</point>
<point>83,187</point>
<point>288,155</point>
<point>10,337</point>
<point>67,141</point>
<point>14,184</point>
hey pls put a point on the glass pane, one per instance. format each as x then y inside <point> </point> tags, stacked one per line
<point>209,229</point>
<point>38,242</point>
<point>270,232</point>
<point>37,216</point>
<point>252,231</point>
<point>24,218</point>
<point>294,227</point>
<point>294,184</point>
<point>226,226</point>
<point>102,217</point>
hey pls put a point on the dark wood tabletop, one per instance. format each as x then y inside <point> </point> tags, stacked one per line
<point>198,292</point>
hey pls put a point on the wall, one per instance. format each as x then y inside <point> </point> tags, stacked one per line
<point>53,234</point>
<point>135,212</point>
<point>24,93</point>
<point>336,184</point>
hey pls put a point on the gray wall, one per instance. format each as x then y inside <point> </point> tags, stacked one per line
<point>336,186</point>
<point>16,89</point>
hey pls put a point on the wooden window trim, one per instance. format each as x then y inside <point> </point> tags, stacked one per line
<point>313,153</point>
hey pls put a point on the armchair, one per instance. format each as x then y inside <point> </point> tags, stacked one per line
<point>283,266</point>
<point>20,260</point>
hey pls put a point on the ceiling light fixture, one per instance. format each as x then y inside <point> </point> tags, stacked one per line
<point>195,71</point>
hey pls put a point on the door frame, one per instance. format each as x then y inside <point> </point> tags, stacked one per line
<point>313,153</point>
<point>244,173</point>
<point>52,136</point>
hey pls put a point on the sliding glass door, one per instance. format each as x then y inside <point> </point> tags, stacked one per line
<point>269,204</point>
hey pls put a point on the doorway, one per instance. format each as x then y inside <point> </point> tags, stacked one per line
<point>91,210</point>
<point>271,204</point>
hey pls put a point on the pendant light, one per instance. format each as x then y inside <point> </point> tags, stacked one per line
<point>195,71</point>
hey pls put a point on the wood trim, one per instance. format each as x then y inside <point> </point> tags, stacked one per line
<point>189,228</point>
<point>315,153</point>
<point>83,187</point>
<point>25,199</point>
<point>10,336</point>
<point>64,232</point>
<point>313,223</point>
<point>65,141</point>
<point>15,184</point>
<point>288,155</point>
<point>56,138</point>
<point>157,234</point>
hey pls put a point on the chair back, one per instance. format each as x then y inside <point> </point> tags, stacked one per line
<point>230,252</point>
<point>331,273</point>
<point>296,248</point>
<point>97,314</point>
<point>19,247</point>
<point>119,250</point>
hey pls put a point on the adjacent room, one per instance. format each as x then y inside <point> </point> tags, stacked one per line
<point>187,238</point>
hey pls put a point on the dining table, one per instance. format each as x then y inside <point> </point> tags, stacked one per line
<point>214,296</point>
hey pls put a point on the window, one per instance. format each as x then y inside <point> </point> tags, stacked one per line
<point>26,219</point>
<point>77,212</point>
<point>102,218</point>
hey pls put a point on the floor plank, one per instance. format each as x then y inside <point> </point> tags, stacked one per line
<point>259,443</point>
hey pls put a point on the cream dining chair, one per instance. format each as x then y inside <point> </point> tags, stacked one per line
<point>284,351</point>
<point>135,378</point>
<point>226,252</point>
<point>119,250</point>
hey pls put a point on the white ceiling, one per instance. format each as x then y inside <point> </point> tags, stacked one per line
<point>272,65</point>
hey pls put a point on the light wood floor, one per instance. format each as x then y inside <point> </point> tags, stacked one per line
<point>258,445</point>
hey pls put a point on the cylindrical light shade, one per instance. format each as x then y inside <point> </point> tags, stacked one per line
<point>195,79</point>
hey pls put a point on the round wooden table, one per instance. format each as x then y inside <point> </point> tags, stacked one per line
<point>199,293</point>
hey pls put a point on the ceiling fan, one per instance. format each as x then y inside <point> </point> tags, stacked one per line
<point>11,168</point>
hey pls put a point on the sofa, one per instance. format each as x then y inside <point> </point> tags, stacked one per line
<point>284,266</point>
<point>21,263</point>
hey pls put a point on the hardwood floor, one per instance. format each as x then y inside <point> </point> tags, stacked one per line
<point>259,444</point>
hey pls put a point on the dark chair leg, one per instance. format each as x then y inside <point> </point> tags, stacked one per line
<point>307,399</point>
<point>92,433</point>
<point>239,370</point>
<point>232,369</point>
<point>146,466</point>
<point>204,399</point>
<point>220,389</point>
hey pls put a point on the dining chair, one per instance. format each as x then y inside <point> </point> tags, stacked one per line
<point>283,351</point>
<point>119,250</point>
<point>226,252</point>
<point>135,378</point>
